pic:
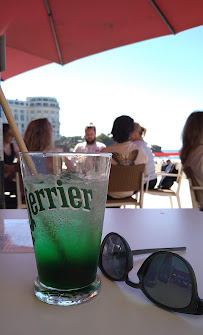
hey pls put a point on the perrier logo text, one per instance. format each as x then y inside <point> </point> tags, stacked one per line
<point>56,197</point>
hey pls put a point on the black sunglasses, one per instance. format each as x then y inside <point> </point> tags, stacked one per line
<point>165,278</point>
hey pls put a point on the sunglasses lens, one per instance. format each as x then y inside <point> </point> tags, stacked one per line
<point>114,257</point>
<point>167,280</point>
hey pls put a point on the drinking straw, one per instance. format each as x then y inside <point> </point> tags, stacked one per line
<point>16,133</point>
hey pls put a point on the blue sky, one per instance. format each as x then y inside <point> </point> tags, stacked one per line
<point>158,82</point>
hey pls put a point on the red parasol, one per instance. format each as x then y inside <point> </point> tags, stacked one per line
<point>40,32</point>
<point>44,31</point>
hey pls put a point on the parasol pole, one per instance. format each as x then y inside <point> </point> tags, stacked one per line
<point>15,130</point>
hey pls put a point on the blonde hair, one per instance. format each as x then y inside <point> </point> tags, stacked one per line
<point>141,130</point>
<point>39,135</point>
<point>192,134</point>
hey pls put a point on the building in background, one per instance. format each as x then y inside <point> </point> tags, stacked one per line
<point>35,108</point>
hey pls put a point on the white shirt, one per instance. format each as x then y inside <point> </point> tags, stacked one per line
<point>150,167</point>
<point>89,148</point>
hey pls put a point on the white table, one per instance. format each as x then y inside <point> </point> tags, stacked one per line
<point>118,309</point>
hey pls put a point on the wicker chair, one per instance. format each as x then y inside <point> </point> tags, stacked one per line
<point>124,178</point>
<point>167,192</point>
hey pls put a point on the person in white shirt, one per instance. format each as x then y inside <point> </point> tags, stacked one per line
<point>124,151</point>
<point>191,153</point>
<point>90,145</point>
<point>137,137</point>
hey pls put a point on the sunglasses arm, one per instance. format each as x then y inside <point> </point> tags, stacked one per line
<point>132,284</point>
<point>148,251</point>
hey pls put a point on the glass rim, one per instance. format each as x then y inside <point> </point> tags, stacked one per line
<point>73,154</point>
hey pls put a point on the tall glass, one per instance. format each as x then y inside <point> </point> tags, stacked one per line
<point>65,197</point>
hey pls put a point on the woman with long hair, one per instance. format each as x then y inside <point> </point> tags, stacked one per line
<point>39,136</point>
<point>191,153</point>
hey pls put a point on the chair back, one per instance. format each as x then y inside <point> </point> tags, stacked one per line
<point>167,192</point>
<point>125,178</point>
<point>195,193</point>
<point>179,167</point>
<point>179,176</point>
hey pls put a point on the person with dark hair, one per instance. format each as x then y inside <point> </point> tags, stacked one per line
<point>90,145</point>
<point>11,151</point>
<point>124,151</point>
<point>123,126</point>
<point>165,164</point>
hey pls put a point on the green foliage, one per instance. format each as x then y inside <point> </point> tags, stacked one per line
<point>106,139</point>
<point>68,143</point>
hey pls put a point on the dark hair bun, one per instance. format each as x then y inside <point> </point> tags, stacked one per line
<point>123,126</point>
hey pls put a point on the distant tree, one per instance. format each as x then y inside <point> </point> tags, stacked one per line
<point>68,143</point>
<point>106,139</point>
<point>75,139</point>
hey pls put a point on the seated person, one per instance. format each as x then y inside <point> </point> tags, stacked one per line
<point>165,164</point>
<point>11,151</point>
<point>39,136</point>
<point>137,137</point>
<point>191,153</point>
<point>125,152</point>
<point>90,145</point>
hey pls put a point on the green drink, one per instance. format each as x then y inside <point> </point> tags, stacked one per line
<point>66,212</point>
